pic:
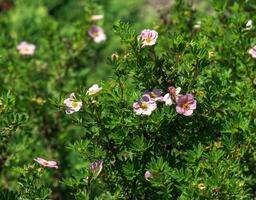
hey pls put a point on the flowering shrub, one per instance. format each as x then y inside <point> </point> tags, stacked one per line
<point>170,116</point>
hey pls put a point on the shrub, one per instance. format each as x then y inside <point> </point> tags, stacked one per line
<point>75,133</point>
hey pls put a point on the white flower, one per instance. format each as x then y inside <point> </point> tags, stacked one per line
<point>97,34</point>
<point>252,52</point>
<point>96,17</point>
<point>249,25</point>
<point>148,37</point>
<point>72,104</point>
<point>25,48</point>
<point>93,90</point>
<point>171,96</point>
<point>145,106</point>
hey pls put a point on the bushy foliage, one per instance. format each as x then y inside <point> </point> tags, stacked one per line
<point>133,135</point>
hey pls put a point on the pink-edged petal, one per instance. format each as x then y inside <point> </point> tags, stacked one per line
<point>138,111</point>
<point>190,97</point>
<point>69,110</point>
<point>188,112</point>
<point>147,112</point>
<point>252,52</point>
<point>180,110</point>
<point>178,89</point>
<point>181,100</point>
<point>167,99</point>
<point>147,175</point>
<point>152,105</point>
<point>51,162</point>
<point>68,102</point>
<point>193,105</point>
<point>40,160</point>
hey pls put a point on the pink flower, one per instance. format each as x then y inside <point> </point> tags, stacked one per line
<point>97,34</point>
<point>171,97</point>
<point>45,163</point>
<point>145,106</point>
<point>96,17</point>
<point>186,104</point>
<point>148,37</point>
<point>72,104</point>
<point>25,48</point>
<point>93,90</point>
<point>155,95</point>
<point>147,175</point>
<point>96,167</point>
<point>252,52</point>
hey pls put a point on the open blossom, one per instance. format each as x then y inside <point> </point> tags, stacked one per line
<point>171,97</point>
<point>46,163</point>
<point>147,175</point>
<point>145,106</point>
<point>96,167</point>
<point>25,48</point>
<point>252,52</point>
<point>249,25</point>
<point>93,90</point>
<point>186,104</point>
<point>148,37</point>
<point>96,17</point>
<point>72,104</point>
<point>97,34</point>
<point>155,95</point>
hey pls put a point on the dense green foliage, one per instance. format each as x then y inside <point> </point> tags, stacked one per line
<point>207,155</point>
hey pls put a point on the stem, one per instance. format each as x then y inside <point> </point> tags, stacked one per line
<point>109,142</point>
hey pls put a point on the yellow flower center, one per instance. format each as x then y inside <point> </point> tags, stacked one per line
<point>95,33</point>
<point>148,40</point>
<point>153,95</point>
<point>185,106</point>
<point>74,104</point>
<point>144,105</point>
<point>26,49</point>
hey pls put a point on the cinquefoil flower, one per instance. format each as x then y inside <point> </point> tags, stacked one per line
<point>171,96</point>
<point>96,167</point>
<point>97,34</point>
<point>155,95</point>
<point>147,175</point>
<point>93,90</point>
<point>252,52</point>
<point>145,106</point>
<point>148,37</point>
<point>96,17</point>
<point>72,104</point>
<point>25,48</point>
<point>46,163</point>
<point>186,104</point>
